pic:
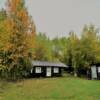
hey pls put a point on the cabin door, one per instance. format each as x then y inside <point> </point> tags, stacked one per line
<point>48,72</point>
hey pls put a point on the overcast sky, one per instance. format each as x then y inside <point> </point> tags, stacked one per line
<point>58,17</point>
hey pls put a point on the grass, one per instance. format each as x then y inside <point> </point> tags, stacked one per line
<point>60,88</point>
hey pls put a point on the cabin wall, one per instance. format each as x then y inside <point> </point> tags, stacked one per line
<point>44,72</point>
<point>56,74</point>
<point>34,74</point>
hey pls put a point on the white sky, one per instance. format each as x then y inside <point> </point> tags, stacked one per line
<point>58,17</point>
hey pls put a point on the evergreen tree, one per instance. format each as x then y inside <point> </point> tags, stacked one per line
<point>21,30</point>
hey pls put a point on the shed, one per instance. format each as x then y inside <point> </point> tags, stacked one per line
<point>47,69</point>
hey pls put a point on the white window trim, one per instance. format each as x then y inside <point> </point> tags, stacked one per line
<point>38,70</point>
<point>56,70</point>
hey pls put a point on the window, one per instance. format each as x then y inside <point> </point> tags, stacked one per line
<point>56,70</point>
<point>38,70</point>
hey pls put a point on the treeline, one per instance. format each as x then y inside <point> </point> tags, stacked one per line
<point>78,52</point>
<point>19,44</point>
<point>47,49</point>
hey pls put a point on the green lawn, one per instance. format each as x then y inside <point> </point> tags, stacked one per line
<point>61,88</point>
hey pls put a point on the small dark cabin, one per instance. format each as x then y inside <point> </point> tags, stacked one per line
<point>95,71</point>
<point>47,69</point>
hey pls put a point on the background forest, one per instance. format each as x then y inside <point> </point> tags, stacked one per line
<point>20,43</point>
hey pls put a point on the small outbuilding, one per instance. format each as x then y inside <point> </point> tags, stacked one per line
<point>95,71</point>
<point>47,69</point>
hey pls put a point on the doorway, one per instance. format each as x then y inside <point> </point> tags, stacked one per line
<point>48,72</point>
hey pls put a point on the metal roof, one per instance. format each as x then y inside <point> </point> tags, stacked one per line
<point>48,64</point>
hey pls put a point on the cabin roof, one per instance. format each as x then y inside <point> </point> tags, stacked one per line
<point>48,64</point>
